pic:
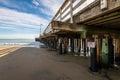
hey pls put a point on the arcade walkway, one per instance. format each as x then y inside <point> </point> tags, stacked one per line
<point>40,64</point>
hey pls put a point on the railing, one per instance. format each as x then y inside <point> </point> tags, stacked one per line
<point>68,10</point>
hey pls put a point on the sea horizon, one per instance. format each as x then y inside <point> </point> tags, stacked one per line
<point>19,43</point>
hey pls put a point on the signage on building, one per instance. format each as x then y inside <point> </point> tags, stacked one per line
<point>103,4</point>
<point>91,44</point>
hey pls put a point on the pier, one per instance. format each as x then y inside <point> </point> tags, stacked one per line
<point>87,29</point>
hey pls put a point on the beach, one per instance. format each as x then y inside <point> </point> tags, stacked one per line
<point>1,48</point>
<point>10,45</point>
<point>7,50</point>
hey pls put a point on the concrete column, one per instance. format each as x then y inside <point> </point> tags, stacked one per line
<point>86,41</point>
<point>93,58</point>
<point>83,43</point>
<point>79,46</point>
<point>110,52</point>
<point>119,51</point>
<point>72,45</point>
<point>65,45</point>
<point>107,52</point>
<point>60,46</point>
<point>48,42</point>
<point>76,47</point>
<point>84,46</point>
<point>83,34</point>
<point>56,42</point>
<point>115,43</point>
<point>69,45</point>
<point>52,42</point>
<point>81,49</point>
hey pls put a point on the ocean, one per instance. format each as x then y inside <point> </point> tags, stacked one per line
<point>19,43</point>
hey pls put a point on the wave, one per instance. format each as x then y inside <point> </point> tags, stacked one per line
<point>32,44</point>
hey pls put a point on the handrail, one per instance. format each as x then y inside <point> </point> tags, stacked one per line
<point>59,14</point>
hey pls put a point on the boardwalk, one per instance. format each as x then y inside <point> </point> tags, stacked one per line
<point>40,64</point>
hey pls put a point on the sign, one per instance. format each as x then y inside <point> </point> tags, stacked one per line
<point>103,4</point>
<point>91,44</point>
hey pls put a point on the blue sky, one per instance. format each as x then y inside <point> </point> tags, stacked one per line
<point>22,18</point>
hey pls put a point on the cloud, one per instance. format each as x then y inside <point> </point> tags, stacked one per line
<point>9,3</point>
<point>5,2</point>
<point>18,36</point>
<point>50,6</point>
<point>15,18</point>
<point>35,3</point>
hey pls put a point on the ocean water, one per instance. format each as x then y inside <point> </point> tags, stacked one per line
<point>19,43</point>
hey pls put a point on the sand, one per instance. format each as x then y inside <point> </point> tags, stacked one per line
<point>1,48</point>
<point>7,50</point>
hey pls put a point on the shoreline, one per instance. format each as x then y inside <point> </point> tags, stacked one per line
<point>8,45</point>
<point>2,48</point>
<point>7,50</point>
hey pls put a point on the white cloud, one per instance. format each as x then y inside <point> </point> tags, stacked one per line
<point>51,6</point>
<point>16,18</point>
<point>10,4</point>
<point>35,3</point>
<point>45,12</point>
<point>9,28</point>
<point>18,36</point>
<point>5,2</point>
<point>18,21</point>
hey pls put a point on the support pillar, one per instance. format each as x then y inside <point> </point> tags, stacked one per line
<point>72,45</point>
<point>107,52</point>
<point>110,52</point>
<point>83,44</point>
<point>65,45</point>
<point>99,52</point>
<point>79,46</point>
<point>69,45</point>
<point>60,46</point>
<point>81,50</point>
<point>93,58</point>
<point>119,52</point>
<point>76,47</point>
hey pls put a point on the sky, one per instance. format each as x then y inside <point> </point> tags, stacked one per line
<point>22,18</point>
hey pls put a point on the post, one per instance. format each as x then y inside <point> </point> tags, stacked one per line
<point>93,58</point>
<point>40,29</point>
<point>71,11</point>
<point>69,45</point>
<point>83,43</point>
<point>110,52</point>
<point>60,14</point>
<point>60,46</point>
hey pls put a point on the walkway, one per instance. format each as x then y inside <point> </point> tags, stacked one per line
<point>40,64</point>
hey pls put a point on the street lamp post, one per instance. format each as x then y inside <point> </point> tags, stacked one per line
<point>40,29</point>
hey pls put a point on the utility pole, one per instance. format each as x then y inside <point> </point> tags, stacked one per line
<point>40,29</point>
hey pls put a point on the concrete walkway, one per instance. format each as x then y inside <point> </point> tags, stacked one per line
<point>40,64</point>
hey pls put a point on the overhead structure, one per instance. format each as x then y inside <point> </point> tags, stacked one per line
<point>87,29</point>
